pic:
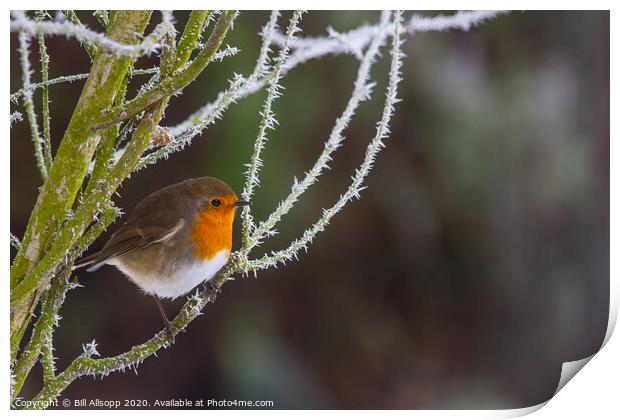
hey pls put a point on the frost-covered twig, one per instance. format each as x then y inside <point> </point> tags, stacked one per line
<point>102,17</point>
<point>42,335</point>
<point>362,90</point>
<point>45,98</point>
<point>261,68</point>
<point>150,44</point>
<point>310,48</point>
<point>15,243</point>
<point>73,78</point>
<point>58,193</point>
<point>228,51</point>
<point>167,16</point>
<point>34,86</point>
<point>91,49</point>
<point>356,39</point>
<point>195,124</point>
<point>356,186</point>
<point>87,365</point>
<point>15,117</point>
<point>24,51</point>
<point>175,82</point>
<point>241,87</point>
<point>41,341</point>
<point>267,122</point>
<point>463,20</point>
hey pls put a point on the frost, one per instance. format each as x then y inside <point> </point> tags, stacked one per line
<point>20,23</point>
<point>15,116</point>
<point>24,52</point>
<point>374,147</point>
<point>90,349</point>
<point>268,122</point>
<point>362,91</point>
<point>309,48</point>
<point>228,51</point>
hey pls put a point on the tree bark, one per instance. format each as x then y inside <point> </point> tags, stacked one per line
<point>70,164</point>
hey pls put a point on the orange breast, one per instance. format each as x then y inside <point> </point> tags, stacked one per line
<point>212,233</point>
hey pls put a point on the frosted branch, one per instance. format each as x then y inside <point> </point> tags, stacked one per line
<point>102,17</point>
<point>267,35</point>
<point>174,82</point>
<point>362,90</point>
<point>225,53</point>
<point>352,41</point>
<point>268,122</point>
<point>72,78</point>
<point>309,48</point>
<point>193,126</point>
<point>91,49</point>
<point>15,117</point>
<point>463,20</point>
<point>210,112</point>
<point>44,59</point>
<point>15,243</point>
<point>24,52</point>
<point>34,86</point>
<point>168,17</point>
<point>150,44</point>
<point>374,147</point>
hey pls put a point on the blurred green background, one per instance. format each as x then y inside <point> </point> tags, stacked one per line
<point>476,262</point>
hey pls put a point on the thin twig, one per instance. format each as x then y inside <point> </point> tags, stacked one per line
<point>310,48</point>
<point>24,51</point>
<point>225,99</point>
<point>15,243</point>
<point>44,59</point>
<point>175,82</point>
<point>353,191</point>
<point>362,90</point>
<point>41,341</point>
<point>150,44</point>
<point>102,17</point>
<point>91,49</point>
<point>15,117</point>
<point>73,78</point>
<point>267,122</point>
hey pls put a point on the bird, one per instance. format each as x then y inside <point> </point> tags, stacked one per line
<point>173,240</point>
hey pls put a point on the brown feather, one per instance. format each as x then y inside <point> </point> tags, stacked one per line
<point>157,218</point>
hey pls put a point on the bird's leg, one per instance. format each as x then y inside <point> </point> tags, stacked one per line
<point>210,289</point>
<point>167,322</point>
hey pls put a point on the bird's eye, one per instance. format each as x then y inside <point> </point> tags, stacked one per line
<point>215,202</point>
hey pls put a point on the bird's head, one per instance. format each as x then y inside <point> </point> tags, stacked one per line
<point>216,198</point>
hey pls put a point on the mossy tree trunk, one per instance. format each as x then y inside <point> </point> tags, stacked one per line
<point>69,168</point>
<point>60,217</point>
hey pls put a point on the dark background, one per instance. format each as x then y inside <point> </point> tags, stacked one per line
<point>476,262</point>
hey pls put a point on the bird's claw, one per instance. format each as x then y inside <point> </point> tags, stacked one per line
<point>169,333</point>
<point>211,290</point>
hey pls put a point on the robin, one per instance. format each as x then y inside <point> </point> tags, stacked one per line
<point>173,240</point>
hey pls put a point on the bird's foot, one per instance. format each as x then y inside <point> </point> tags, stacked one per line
<point>211,290</point>
<point>169,334</point>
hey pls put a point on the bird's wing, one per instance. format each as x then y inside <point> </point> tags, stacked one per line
<point>129,239</point>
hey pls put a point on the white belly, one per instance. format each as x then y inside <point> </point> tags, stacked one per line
<point>181,281</point>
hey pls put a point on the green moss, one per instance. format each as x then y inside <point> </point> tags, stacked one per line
<point>67,173</point>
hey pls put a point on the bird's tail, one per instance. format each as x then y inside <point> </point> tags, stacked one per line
<point>86,261</point>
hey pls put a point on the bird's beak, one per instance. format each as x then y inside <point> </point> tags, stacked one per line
<point>240,203</point>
